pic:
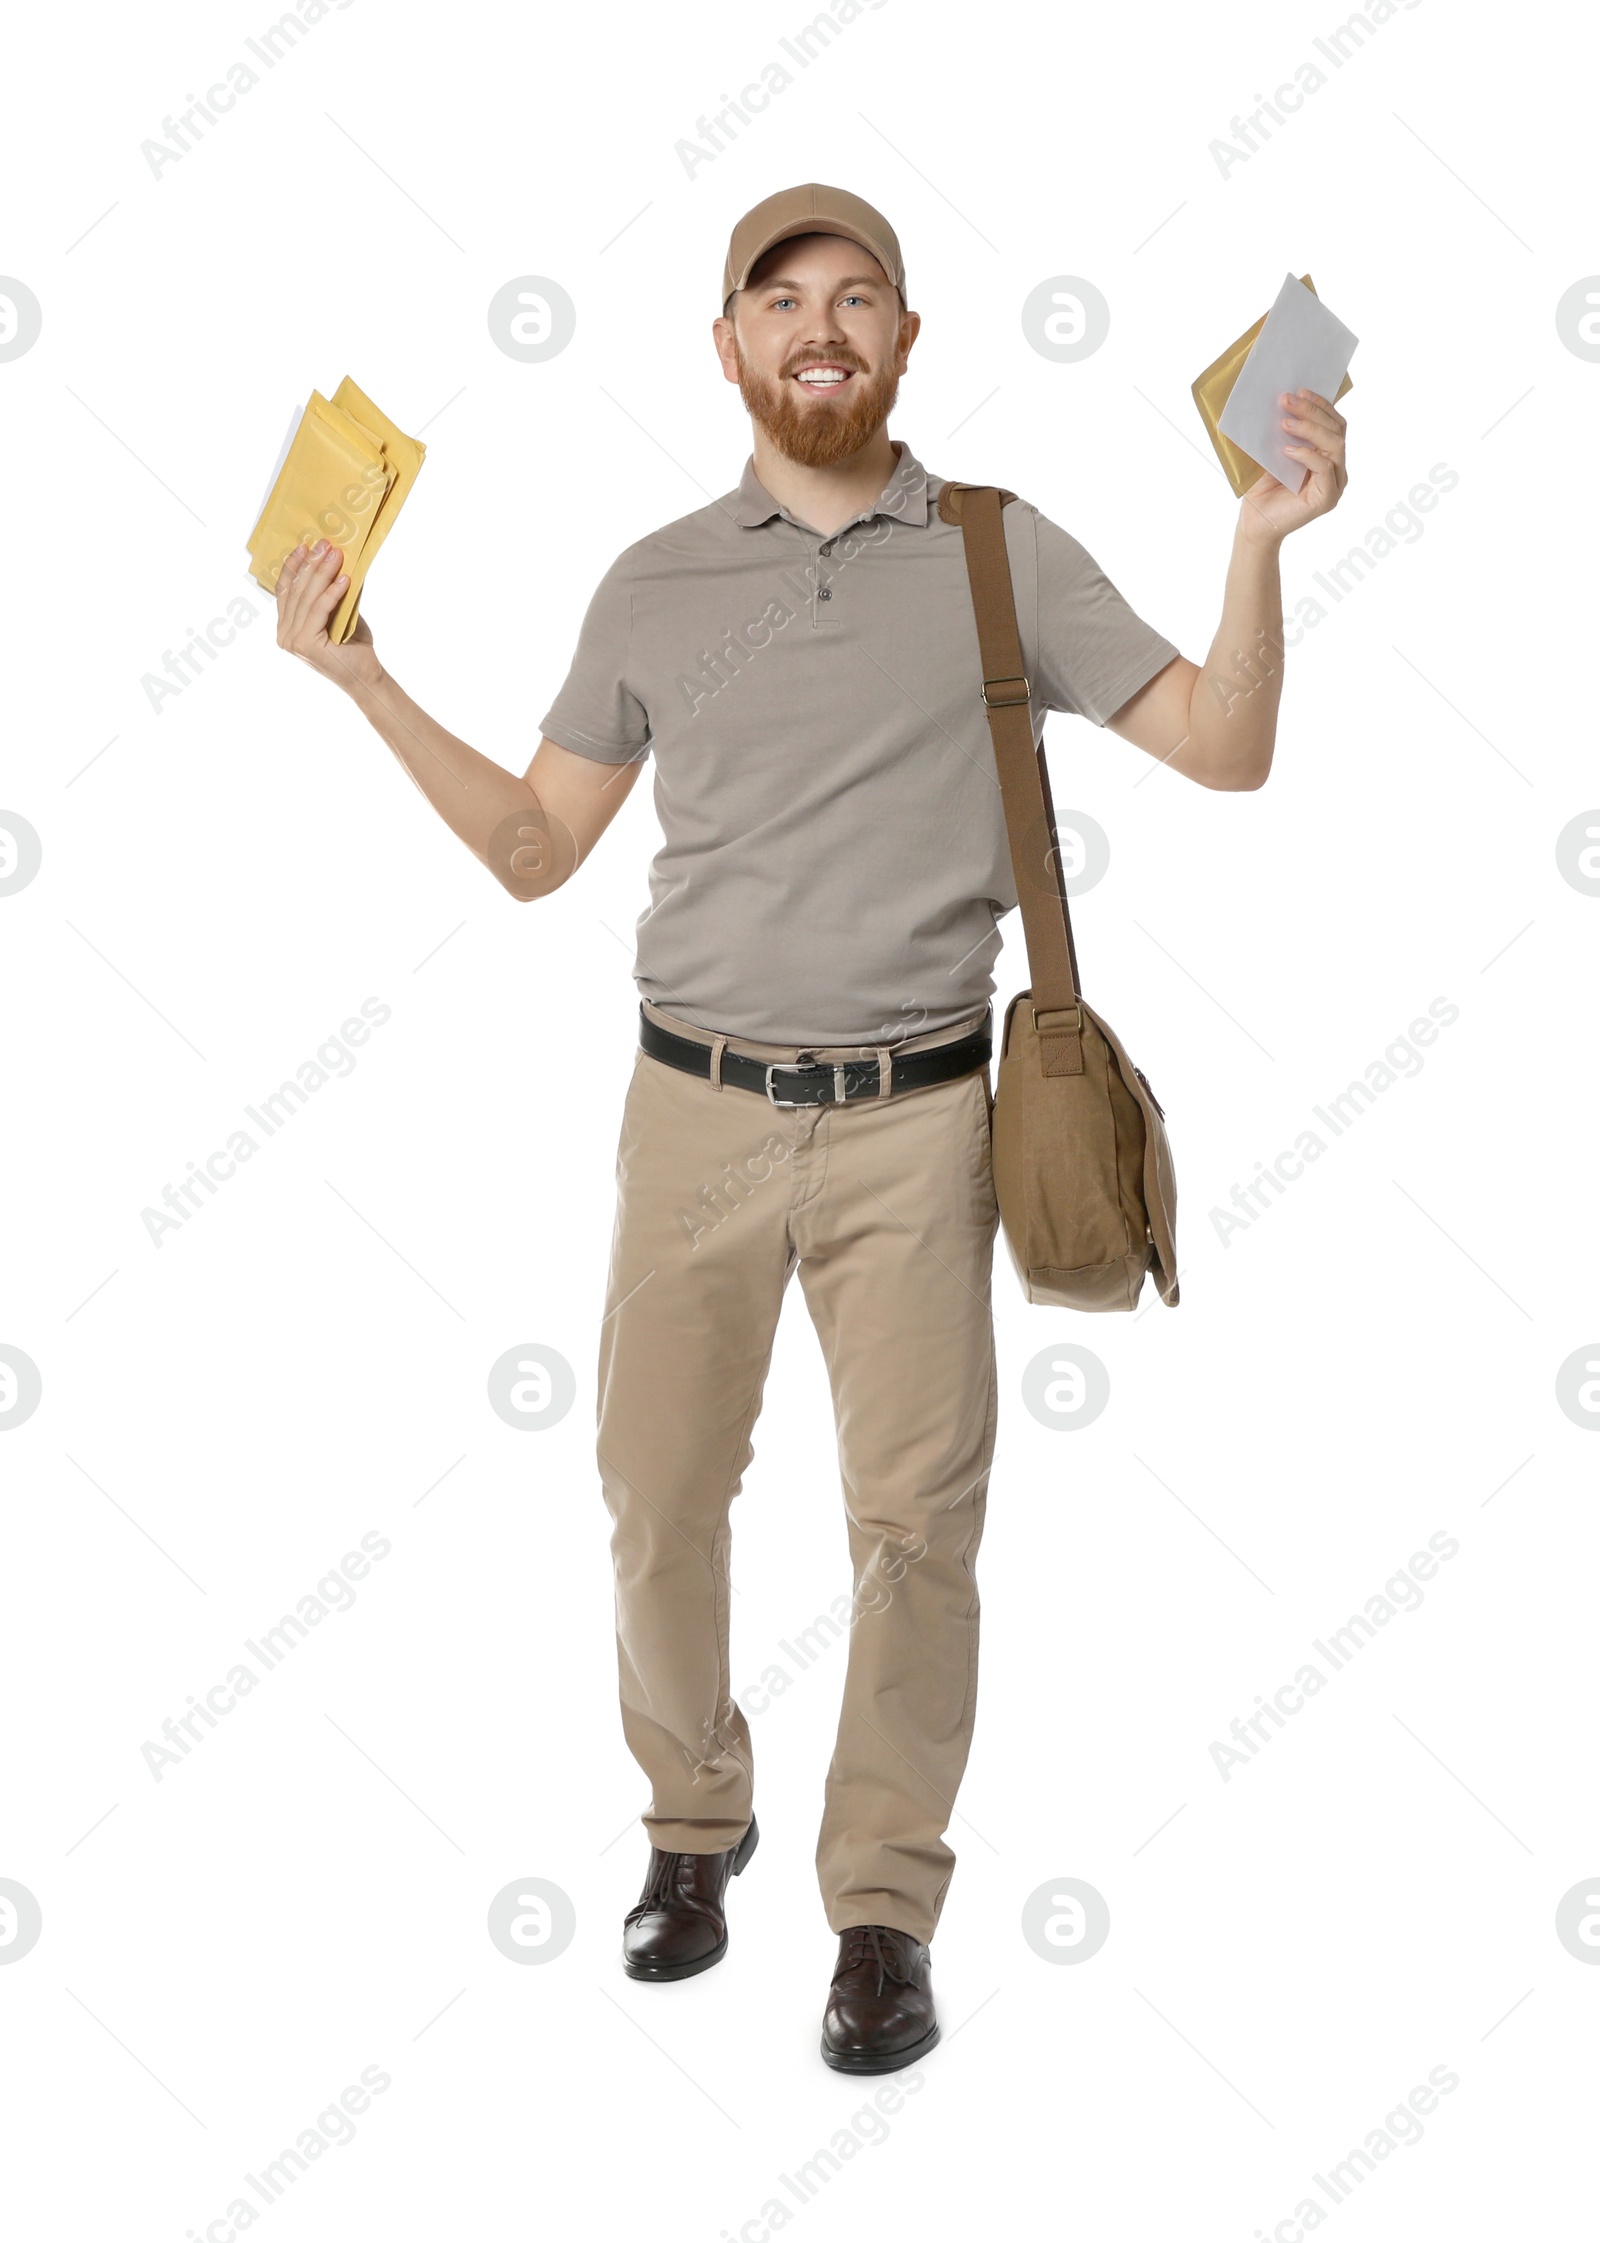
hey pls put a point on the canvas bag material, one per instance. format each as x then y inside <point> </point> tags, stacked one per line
<point>1082,1167</point>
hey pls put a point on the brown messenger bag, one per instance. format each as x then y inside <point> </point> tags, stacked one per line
<point>1082,1168</point>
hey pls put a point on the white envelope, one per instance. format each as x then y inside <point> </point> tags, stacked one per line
<point>1302,346</point>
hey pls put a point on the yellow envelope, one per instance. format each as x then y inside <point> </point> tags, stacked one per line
<point>402,453</point>
<point>327,445</point>
<point>330,485</point>
<point>345,476</point>
<point>1211,392</point>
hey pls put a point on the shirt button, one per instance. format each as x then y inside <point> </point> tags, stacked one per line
<point>824,594</point>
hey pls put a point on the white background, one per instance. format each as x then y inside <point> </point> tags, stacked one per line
<point>1373,1361</point>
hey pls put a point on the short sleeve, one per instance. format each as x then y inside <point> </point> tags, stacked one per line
<point>1094,651</point>
<point>597,712</point>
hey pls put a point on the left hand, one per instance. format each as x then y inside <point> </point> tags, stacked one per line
<point>1269,510</point>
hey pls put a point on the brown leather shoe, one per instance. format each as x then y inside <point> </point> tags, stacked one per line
<point>880,2012</point>
<point>677,1926</point>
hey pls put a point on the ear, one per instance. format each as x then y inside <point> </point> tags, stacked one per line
<point>722,337</point>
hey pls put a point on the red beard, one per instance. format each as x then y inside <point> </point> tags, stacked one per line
<point>813,432</point>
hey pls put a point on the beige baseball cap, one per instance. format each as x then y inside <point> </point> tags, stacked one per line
<point>810,210</point>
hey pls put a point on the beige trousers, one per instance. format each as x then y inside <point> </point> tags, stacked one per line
<point>887,1209</point>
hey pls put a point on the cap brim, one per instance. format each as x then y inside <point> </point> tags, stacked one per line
<point>791,232</point>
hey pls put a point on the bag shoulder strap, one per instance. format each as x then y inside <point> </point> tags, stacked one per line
<point>1024,777</point>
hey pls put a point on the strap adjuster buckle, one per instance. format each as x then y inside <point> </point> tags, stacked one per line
<point>997,693</point>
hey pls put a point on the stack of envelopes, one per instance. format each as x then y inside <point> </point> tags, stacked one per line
<point>344,476</point>
<point>1214,387</point>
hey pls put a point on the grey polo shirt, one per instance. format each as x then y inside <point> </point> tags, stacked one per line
<point>834,858</point>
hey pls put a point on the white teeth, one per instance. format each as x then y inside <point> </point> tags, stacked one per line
<point>815,376</point>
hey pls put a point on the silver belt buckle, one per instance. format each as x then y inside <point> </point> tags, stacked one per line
<point>806,1067</point>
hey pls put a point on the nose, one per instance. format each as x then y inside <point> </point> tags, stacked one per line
<point>824,330</point>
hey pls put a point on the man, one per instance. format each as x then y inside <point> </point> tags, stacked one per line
<point>811,1088</point>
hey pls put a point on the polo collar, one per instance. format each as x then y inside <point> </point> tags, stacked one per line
<point>904,498</point>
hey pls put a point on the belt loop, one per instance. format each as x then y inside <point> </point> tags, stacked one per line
<point>885,1069</point>
<point>718,1044</point>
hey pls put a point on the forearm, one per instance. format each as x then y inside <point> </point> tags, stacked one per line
<point>1233,708</point>
<point>496,813</point>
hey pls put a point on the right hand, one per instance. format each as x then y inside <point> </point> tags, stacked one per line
<point>310,586</point>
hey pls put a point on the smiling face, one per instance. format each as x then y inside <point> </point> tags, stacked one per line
<point>817,344</point>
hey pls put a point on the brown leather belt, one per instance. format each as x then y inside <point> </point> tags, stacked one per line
<point>809,1081</point>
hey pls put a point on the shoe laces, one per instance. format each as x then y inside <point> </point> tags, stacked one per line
<point>883,1945</point>
<point>661,1881</point>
